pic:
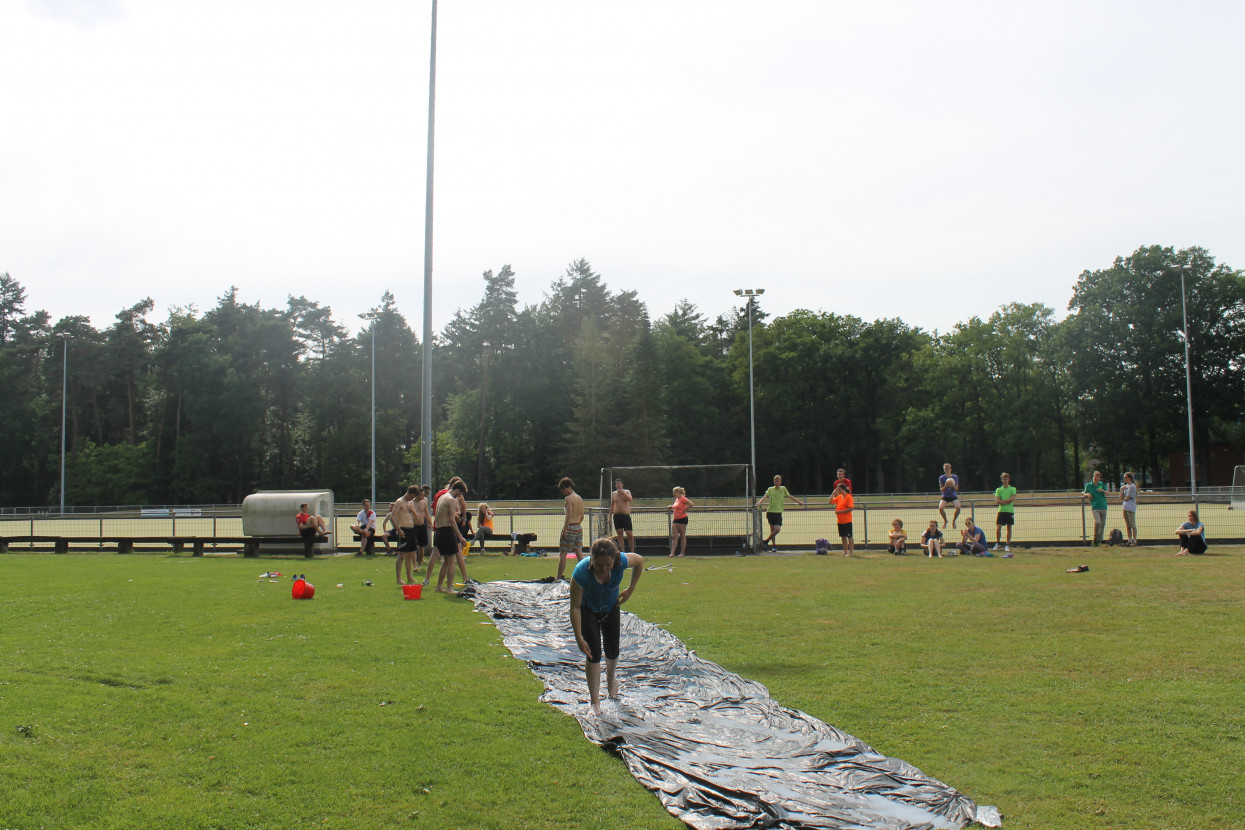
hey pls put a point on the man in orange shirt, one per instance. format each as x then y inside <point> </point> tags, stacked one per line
<point>842,501</point>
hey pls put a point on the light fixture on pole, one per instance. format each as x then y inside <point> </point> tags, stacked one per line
<point>64,336</point>
<point>751,294</point>
<point>1188,383</point>
<point>373,316</point>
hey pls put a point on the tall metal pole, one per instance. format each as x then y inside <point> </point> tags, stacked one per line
<point>373,411</point>
<point>425,449</point>
<point>372,316</point>
<point>752,407</point>
<point>64,402</point>
<point>1188,385</point>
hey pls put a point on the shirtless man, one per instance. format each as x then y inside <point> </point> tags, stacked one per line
<point>448,539</point>
<point>572,528</point>
<point>460,496</point>
<point>409,530</point>
<point>620,507</point>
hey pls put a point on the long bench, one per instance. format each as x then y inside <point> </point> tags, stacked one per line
<point>197,544</point>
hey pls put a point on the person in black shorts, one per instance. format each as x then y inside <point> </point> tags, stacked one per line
<point>620,507</point>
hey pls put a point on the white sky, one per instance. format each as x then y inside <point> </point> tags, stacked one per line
<point>929,161</point>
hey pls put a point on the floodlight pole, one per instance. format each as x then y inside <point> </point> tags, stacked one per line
<point>64,403</point>
<point>373,316</point>
<point>425,449</point>
<point>751,294</point>
<point>1188,383</point>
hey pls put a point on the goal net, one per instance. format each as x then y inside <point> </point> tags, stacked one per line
<point>1236,498</point>
<point>723,519</point>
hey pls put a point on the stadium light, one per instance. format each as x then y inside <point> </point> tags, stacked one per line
<point>1188,381</point>
<point>373,316</point>
<point>64,336</point>
<point>425,403</point>
<point>751,294</point>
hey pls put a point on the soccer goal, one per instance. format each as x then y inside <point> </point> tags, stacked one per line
<point>1236,498</point>
<point>723,521</point>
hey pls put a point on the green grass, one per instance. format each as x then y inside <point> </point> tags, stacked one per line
<point>151,691</point>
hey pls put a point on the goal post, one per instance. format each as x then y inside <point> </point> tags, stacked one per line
<point>1236,497</point>
<point>723,521</point>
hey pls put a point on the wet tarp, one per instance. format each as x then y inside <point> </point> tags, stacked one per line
<point>716,749</point>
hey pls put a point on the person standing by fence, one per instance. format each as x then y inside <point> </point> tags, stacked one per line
<point>777,497</point>
<point>1096,492</point>
<point>678,523</point>
<point>1128,501</point>
<point>843,504</point>
<point>1005,498</point>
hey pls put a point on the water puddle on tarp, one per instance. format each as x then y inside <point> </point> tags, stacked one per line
<point>717,750</point>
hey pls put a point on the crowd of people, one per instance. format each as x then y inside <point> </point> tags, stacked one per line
<point>438,524</point>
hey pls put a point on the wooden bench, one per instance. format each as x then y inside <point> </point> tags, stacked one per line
<point>197,544</point>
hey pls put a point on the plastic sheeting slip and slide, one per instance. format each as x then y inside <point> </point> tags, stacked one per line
<point>717,749</point>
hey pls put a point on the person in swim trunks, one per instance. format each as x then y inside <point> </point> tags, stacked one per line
<point>620,508</point>
<point>448,539</point>
<point>572,527</point>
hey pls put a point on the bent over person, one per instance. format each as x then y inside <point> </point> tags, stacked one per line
<point>596,615</point>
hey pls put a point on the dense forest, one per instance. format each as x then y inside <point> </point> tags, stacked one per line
<point>206,407</point>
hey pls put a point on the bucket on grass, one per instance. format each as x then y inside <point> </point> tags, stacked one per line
<point>412,591</point>
<point>302,589</point>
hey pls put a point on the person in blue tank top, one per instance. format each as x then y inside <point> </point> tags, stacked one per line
<point>595,611</point>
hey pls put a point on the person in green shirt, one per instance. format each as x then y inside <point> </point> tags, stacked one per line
<point>1096,492</point>
<point>1005,498</point>
<point>777,497</point>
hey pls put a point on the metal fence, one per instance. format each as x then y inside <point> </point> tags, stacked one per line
<point>1042,519</point>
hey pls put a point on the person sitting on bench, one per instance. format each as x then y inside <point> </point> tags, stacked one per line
<point>312,528</point>
<point>365,528</point>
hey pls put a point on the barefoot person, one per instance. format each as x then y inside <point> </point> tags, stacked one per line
<point>620,510</point>
<point>572,539</point>
<point>777,497</point>
<point>931,540</point>
<point>949,488</point>
<point>1192,536</point>
<point>678,524</point>
<point>411,532</point>
<point>448,539</point>
<point>312,528</point>
<point>596,614</point>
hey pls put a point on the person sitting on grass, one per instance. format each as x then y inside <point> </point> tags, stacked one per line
<point>931,540</point>
<point>596,615</point>
<point>972,540</point>
<point>898,538</point>
<point>1192,535</point>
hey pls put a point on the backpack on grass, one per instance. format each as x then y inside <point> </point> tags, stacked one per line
<point>1116,538</point>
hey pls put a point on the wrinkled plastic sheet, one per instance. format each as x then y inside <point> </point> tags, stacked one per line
<point>717,750</point>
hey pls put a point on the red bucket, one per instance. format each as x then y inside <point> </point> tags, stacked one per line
<point>302,589</point>
<point>412,591</point>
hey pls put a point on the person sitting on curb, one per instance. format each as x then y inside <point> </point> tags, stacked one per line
<point>931,540</point>
<point>1192,536</point>
<point>898,538</point>
<point>972,540</point>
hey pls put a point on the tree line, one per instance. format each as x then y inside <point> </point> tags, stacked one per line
<point>206,407</point>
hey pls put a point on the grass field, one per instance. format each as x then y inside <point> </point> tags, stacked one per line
<point>154,691</point>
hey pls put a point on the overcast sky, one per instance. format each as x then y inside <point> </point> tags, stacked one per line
<point>928,161</point>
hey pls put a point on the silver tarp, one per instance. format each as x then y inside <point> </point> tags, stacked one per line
<point>717,749</point>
